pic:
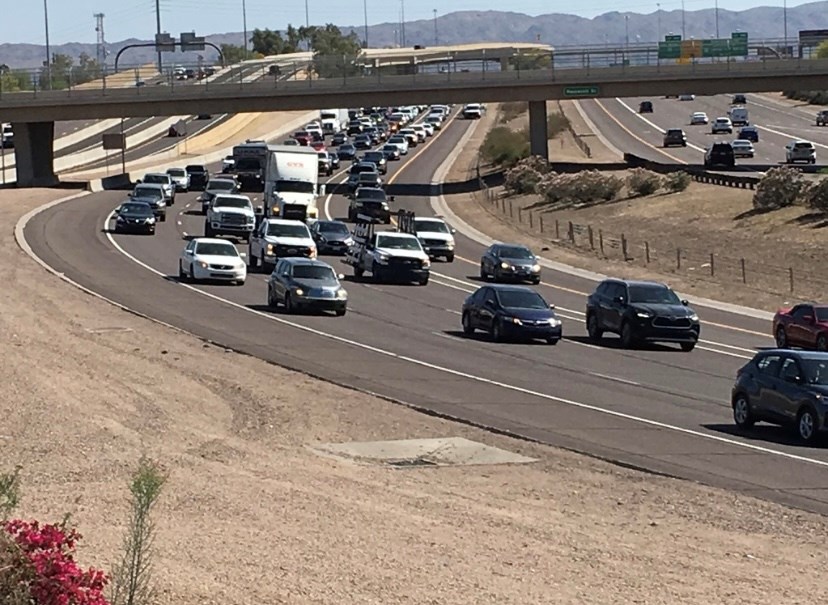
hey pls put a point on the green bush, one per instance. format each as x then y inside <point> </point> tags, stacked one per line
<point>779,188</point>
<point>556,123</point>
<point>816,196</point>
<point>641,182</point>
<point>580,188</point>
<point>677,181</point>
<point>511,110</point>
<point>504,147</point>
<point>524,176</point>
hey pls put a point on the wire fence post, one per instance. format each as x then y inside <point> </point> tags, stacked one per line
<point>744,270</point>
<point>791,276</point>
<point>571,232</point>
<point>591,237</point>
<point>520,214</point>
<point>624,247</point>
<point>601,241</point>
<point>557,229</point>
<point>511,210</point>
<point>712,265</point>
<point>540,221</point>
<point>678,258</point>
<point>647,252</point>
<point>531,226</point>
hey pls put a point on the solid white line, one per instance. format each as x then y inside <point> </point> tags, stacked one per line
<point>479,379</point>
<point>653,124</point>
<point>615,379</point>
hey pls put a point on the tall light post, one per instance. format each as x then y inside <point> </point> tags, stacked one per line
<point>627,30</point>
<point>785,23</point>
<point>717,18</point>
<point>435,27</point>
<point>365,11</point>
<point>158,30</point>
<point>244,25</point>
<point>683,29</point>
<point>658,13</point>
<point>402,23</point>
<point>48,48</point>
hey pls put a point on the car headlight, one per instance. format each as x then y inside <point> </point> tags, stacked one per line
<point>536,268</point>
<point>202,264</point>
<point>299,292</point>
<point>450,245</point>
<point>383,258</point>
<point>313,252</point>
<point>426,263</point>
<point>349,241</point>
<point>514,320</point>
<point>504,265</point>
<point>251,220</point>
<point>269,249</point>
<point>693,317</point>
<point>119,218</point>
<point>643,314</point>
<point>151,220</point>
<point>342,294</point>
<point>554,322</point>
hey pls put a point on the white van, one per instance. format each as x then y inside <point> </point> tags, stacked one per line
<point>739,116</point>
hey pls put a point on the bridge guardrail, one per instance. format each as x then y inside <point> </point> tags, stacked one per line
<point>698,175</point>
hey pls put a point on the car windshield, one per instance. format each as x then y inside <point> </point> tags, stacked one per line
<point>521,299</point>
<point>432,226</point>
<point>333,228</point>
<point>347,147</point>
<point>149,192</point>
<point>398,243</point>
<point>248,164</point>
<point>216,249</point>
<point>221,186</point>
<point>286,230</point>
<point>653,294</point>
<point>370,193</point>
<point>196,169</point>
<point>374,155</point>
<point>815,371</point>
<point>368,177</point>
<point>313,272</point>
<point>514,252</point>
<point>231,202</point>
<point>821,313</point>
<point>157,178</point>
<point>293,187</point>
<point>803,145</point>
<point>176,172</point>
<point>136,209</point>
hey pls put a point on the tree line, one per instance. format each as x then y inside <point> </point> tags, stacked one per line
<point>62,72</point>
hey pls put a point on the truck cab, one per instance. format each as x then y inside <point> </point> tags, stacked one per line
<point>230,214</point>
<point>276,238</point>
<point>738,116</point>
<point>394,256</point>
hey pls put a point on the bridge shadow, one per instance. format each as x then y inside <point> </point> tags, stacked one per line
<point>614,344</point>
<point>765,433</point>
<point>280,310</point>
<point>479,336</point>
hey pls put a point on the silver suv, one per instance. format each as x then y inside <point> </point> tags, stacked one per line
<point>800,151</point>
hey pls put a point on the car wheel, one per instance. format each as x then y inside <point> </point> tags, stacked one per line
<point>449,258</point>
<point>163,217</point>
<point>806,425</point>
<point>468,328</point>
<point>181,275</point>
<point>483,275</point>
<point>289,307</point>
<point>359,272</point>
<point>375,272</point>
<point>822,343</point>
<point>627,337</point>
<point>688,346</point>
<point>424,281</point>
<point>781,338</point>
<point>536,280</point>
<point>340,312</point>
<point>552,341</point>
<point>593,329</point>
<point>271,302</point>
<point>742,414</point>
<point>191,274</point>
<point>254,262</point>
<point>497,331</point>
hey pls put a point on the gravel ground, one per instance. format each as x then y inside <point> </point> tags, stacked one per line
<point>250,515</point>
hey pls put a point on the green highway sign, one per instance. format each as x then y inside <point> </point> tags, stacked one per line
<point>672,38</point>
<point>670,49</point>
<point>581,91</point>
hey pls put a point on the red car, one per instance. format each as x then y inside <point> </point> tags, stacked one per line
<point>303,136</point>
<point>318,145</point>
<point>804,325</point>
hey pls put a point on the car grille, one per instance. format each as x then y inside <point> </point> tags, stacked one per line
<point>233,219</point>
<point>221,267</point>
<point>434,242</point>
<point>282,250</point>
<point>407,263</point>
<point>672,322</point>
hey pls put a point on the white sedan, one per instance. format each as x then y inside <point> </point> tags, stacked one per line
<point>699,118</point>
<point>742,148</point>
<point>206,258</point>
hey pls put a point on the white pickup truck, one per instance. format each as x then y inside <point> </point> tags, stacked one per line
<point>230,214</point>
<point>387,255</point>
<point>276,238</point>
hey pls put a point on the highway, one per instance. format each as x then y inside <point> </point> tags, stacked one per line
<point>657,409</point>
<point>618,121</point>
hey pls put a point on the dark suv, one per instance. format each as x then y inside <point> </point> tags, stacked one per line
<point>675,136</point>
<point>641,311</point>
<point>645,107</point>
<point>720,154</point>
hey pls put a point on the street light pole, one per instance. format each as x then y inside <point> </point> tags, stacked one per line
<point>244,25</point>
<point>158,29</point>
<point>683,30</point>
<point>48,48</point>
<point>785,23</point>
<point>402,25</point>
<point>365,10</point>
<point>435,27</point>
<point>627,29</point>
<point>717,19</point>
<point>658,13</point>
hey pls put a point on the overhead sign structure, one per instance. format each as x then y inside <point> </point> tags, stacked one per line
<point>114,140</point>
<point>581,91</point>
<point>164,43</point>
<point>674,47</point>
<point>812,37</point>
<point>189,41</point>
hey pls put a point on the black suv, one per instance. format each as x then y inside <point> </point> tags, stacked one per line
<point>720,154</point>
<point>641,311</point>
<point>645,107</point>
<point>675,136</point>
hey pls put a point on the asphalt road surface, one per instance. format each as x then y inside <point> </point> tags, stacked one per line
<point>618,120</point>
<point>657,409</point>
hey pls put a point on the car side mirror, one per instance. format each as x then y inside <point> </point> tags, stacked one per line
<point>619,300</point>
<point>795,379</point>
<point>340,276</point>
<point>489,304</point>
<point>322,189</point>
<point>393,198</point>
<point>685,303</point>
<point>552,306</point>
<point>243,254</point>
<point>139,181</point>
<point>453,230</point>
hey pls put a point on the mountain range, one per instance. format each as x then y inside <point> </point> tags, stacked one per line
<point>557,29</point>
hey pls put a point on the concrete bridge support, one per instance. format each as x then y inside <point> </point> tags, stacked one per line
<point>34,154</point>
<point>538,137</point>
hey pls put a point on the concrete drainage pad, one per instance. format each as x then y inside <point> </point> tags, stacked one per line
<point>418,453</point>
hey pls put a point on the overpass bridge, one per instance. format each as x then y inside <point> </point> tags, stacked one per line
<point>33,113</point>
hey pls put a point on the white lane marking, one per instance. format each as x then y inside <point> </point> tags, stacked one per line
<point>579,314</point>
<point>454,311</point>
<point>178,223</point>
<point>653,124</point>
<point>615,379</point>
<point>185,234</point>
<point>480,379</point>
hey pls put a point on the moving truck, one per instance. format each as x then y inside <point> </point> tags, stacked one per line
<point>249,165</point>
<point>333,120</point>
<point>291,183</point>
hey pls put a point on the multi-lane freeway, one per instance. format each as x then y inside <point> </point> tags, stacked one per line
<point>618,120</point>
<point>657,409</point>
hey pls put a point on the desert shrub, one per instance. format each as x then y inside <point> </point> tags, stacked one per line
<point>641,181</point>
<point>524,176</point>
<point>556,123</point>
<point>816,196</point>
<point>580,188</point>
<point>677,181</point>
<point>511,110</point>
<point>504,147</point>
<point>779,188</point>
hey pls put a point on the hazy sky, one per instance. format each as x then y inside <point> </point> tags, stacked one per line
<point>72,21</point>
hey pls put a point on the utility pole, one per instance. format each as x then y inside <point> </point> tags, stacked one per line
<point>658,32</point>
<point>717,19</point>
<point>101,42</point>
<point>48,48</point>
<point>244,25</point>
<point>435,27</point>
<point>402,25</point>
<point>683,30</point>
<point>365,10</point>
<point>785,23</point>
<point>158,31</point>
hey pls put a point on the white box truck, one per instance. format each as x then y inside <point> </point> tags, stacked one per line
<point>333,120</point>
<point>292,183</point>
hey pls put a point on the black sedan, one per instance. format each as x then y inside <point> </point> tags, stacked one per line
<point>135,217</point>
<point>511,312</point>
<point>363,141</point>
<point>338,139</point>
<point>306,283</point>
<point>334,159</point>
<point>503,262</point>
<point>378,158</point>
<point>346,151</point>
<point>786,388</point>
<point>331,237</point>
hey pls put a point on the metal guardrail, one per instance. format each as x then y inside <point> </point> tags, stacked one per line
<point>701,176</point>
